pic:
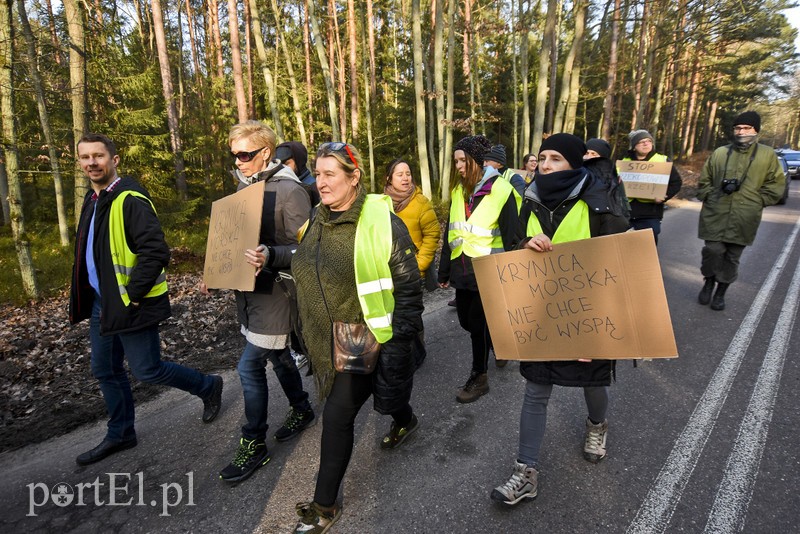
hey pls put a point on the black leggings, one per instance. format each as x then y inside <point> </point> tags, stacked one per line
<point>348,395</point>
<point>472,319</point>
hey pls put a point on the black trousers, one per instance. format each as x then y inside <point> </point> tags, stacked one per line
<point>472,319</point>
<point>348,395</point>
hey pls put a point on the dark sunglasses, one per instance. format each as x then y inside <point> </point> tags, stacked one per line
<point>339,147</point>
<point>244,157</point>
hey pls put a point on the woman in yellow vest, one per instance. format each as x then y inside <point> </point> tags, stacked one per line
<point>565,202</point>
<point>416,211</point>
<point>484,219</point>
<point>355,264</point>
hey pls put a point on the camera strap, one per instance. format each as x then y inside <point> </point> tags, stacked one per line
<point>747,169</point>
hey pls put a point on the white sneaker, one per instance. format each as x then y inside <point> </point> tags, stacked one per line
<point>594,446</point>
<point>523,484</point>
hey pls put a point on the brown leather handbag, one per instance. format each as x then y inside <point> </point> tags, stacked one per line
<point>354,349</point>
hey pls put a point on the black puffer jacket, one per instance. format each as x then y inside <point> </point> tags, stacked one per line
<point>324,270</point>
<point>145,238</point>
<point>601,222</point>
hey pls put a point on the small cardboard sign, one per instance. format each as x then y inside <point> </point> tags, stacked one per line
<point>645,179</point>
<point>600,298</point>
<point>234,227</point>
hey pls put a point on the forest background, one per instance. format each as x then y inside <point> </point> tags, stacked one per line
<point>397,78</point>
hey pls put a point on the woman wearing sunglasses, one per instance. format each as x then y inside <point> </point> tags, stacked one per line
<point>484,216</point>
<point>264,313</point>
<point>355,264</point>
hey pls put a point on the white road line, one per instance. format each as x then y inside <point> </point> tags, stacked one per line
<point>733,497</point>
<point>658,506</point>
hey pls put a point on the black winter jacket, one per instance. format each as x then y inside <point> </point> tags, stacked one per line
<point>145,238</point>
<point>459,271</point>
<point>601,222</point>
<point>651,210</point>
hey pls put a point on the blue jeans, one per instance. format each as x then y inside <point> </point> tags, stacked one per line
<point>533,418</point>
<point>143,350</point>
<point>644,224</point>
<point>253,375</point>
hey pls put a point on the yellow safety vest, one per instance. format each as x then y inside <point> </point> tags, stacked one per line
<point>660,158</point>
<point>373,248</point>
<point>480,234</point>
<point>574,227</point>
<point>123,259</point>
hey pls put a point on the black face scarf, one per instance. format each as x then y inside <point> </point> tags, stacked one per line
<point>554,187</point>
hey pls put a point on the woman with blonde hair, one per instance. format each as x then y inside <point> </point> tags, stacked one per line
<point>355,267</point>
<point>484,217</point>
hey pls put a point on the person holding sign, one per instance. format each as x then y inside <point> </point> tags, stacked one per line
<point>356,272</point>
<point>265,313</point>
<point>564,203</point>
<point>647,213</point>
<point>736,182</point>
<point>484,219</point>
<point>119,284</point>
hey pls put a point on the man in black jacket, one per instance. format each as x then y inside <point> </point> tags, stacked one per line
<point>119,284</point>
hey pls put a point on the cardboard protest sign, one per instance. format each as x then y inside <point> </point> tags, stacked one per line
<point>600,298</point>
<point>645,179</point>
<point>234,227</point>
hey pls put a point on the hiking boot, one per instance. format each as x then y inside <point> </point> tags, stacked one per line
<point>523,484</point>
<point>718,302</point>
<point>213,403</point>
<point>314,519</point>
<point>251,455</point>
<point>708,288</point>
<point>295,422</point>
<point>594,446</point>
<point>477,385</point>
<point>397,435</point>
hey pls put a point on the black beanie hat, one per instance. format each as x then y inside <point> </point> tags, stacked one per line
<point>600,146</point>
<point>498,154</point>
<point>475,146</point>
<point>750,118</point>
<point>293,150</point>
<point>568,145</point>
<point>639,135</point>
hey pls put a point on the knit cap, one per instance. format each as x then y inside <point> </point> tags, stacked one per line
<point>568,145</point>
<point>293,150</point>
<point>638,135</point>
<point>600,146</point>
<point>475,146</point>
<point>750,118</point>
<point>498,154</point>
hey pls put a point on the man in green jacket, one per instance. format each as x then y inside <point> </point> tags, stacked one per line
<point>736,183</point>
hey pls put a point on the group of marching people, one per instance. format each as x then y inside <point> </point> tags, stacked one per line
<point>332,255</point>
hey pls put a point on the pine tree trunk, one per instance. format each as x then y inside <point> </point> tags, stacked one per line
<point>419,102</point>
<point>51,24</point>
<point>368,117</point>
<point>326,72</point>
<point>467,62</point>
<point>351,33</point>
<point>373,86</point>
<point>248,50</point>
<point>169,98</point>
<point>4,191</point>
<point>523,68</point>
<point>448,114</point>
<point>309,84</point>
<point>77,82</point>
<point>338,66</point>
<point>268,79</point>
<point>515,83</point>
<point>438,72</point>
<point>298,115</point>
<point>572,70</point>
<point>44,119</point>
<point>236,61</point>
<point>540,104</point>
<point>636,117</point>
<point>575,78</point>
<point>16,213</point>
<point>608,101</point>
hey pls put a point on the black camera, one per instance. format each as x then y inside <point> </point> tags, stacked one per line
<point>730,185</point>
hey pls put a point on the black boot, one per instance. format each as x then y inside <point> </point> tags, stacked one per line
<point>708,288</point>
<point>718,302</point>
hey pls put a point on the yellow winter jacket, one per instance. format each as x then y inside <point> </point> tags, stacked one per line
<point>422,224</point>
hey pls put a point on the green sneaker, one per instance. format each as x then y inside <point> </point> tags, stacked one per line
<point>397,435</point>
<point>251,455</point>
<point>314,519</point>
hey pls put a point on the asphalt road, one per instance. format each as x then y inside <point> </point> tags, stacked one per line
<point>703,443</point>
